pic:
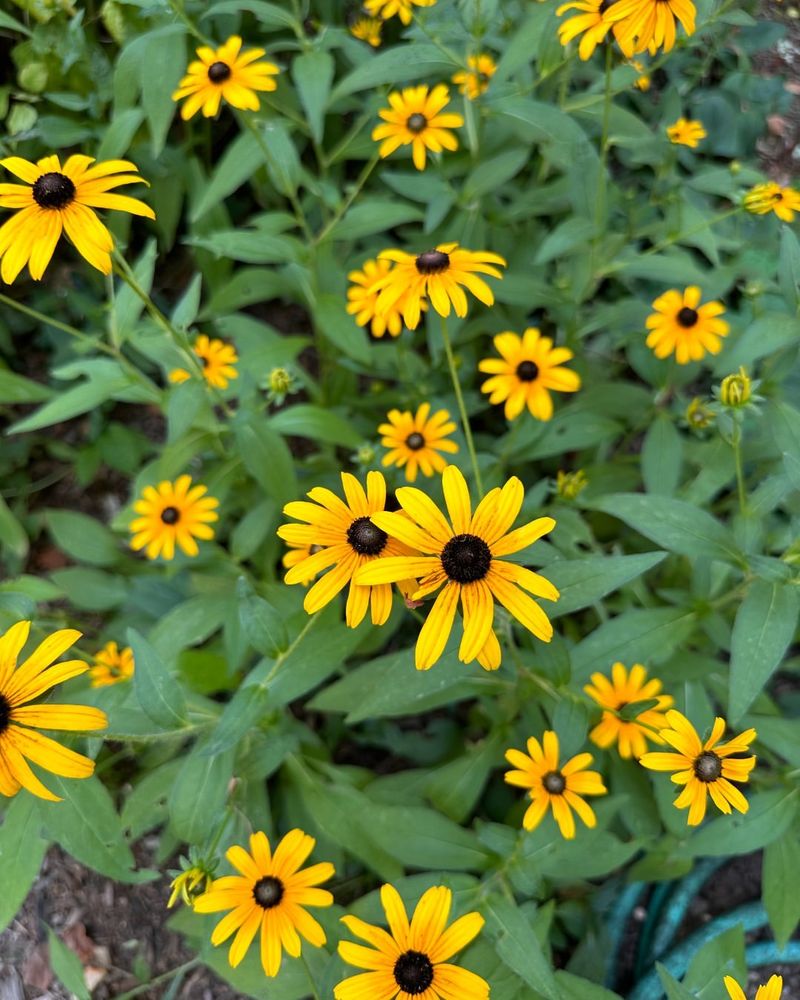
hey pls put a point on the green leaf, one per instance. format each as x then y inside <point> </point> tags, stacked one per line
<point>570,235</point>
<point>250,246</point>
<point>104,385</point>
<point>266,457</point>
<point>22,850</point>
<point>67,966</point>
<point>491,173</point>
<point>283,161</point>
<point>770,815</point>
<point>199,793</point>
<point>312,73</point>
<point>519,947</point>
<point>271,15</point>
<point>674,524</point>
<point>421,838</point>
<point>18,389</point>
<point>340,328</point>
<point>7,21</point>
<point>188,624</point>
<point>83,538</point>
<point>769,333</point>
<point>789,268</point>
<point>662,452</point>
<point>673,989</point>
<point>373,215</point>
<point>90,589</point>
<point>128,306</point>
<point>243,711</point>
<point>317,423</point>
<point>159,694</point>
<point>582,582</point>
<point>313,656</point>
<point>781,865</point>
<point>400,64</point>
<point>12,535</point>
<point>161,69</point>
<point>238,164</point>
<point>634,636</point>
<point>764,626</point>
<point>456,787</point>
<point>145,807</point>
<point>262,623</point>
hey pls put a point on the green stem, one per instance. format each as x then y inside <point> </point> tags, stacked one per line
<point>311,981</point>
<point>164,977</point>
<point>462,409</point>
<point>282,657</point>
<point>736,442</point>
<point>343,209</point>
<point>606,106</point>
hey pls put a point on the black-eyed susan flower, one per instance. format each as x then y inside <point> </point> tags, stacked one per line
<point>416,440</point>
<point>411,960</point>
<point>437,275</point>
<point>686,132</point>
<point>195,879</point>
<point>367,29</point>
<point>559,789</point>
<point>698,415</point>
<point>217,360</point>
<point>474,81</point>
<point>591,22</point>
<point>463,557</point>
<point>771,197</point>
<point>624,689</point>
<point>650,24</point>
<point>703,768</point>
<point>297,554</point>
<point>414,118</point>
<point>771,990</point>
<point>269,895</point>
<point>404,9</point>
<point>362,296</point>
<point>173,513</point>
<point>225,74</point>
<point>111,665</point>
<point>20,743</point>
<point>61,199</point>
<point>528,369</point>
<point>347,538</point>
<point>569,485</point>
<point>681,326</point>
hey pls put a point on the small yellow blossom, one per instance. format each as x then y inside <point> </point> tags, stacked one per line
<point>570,484</point>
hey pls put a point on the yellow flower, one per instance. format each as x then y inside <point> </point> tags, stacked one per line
<point>363,296</point>
<point>173,512</point>
<point>570,484</point>
<point>404,9</point>
<point>439,275</point>
<point>465,561</point>
<point>771,197</point>
<point>650,24</point>
<point>61,199</point>
<point>414,118</point>
<point>704,768</point>
<point>217,359</point>
<point>347,539</point>
<point>416,440</point>
<point>475,81</point>
<point>681,326</point>
<point>624,689</point>
<point>412,959</point>
<point>225,74</point>
<point>367,29</point>
<point>698,415</point>
<point>592,22</point>
<point>554,787</point>
<point>770,991</point>
<point>189,885</point>
<point>686,132</point>
<point>19,742</point>
<point>111,665</point>
<point>296,555</point>
<point>529,366</point>
<point>736,390</point>
<point>269,895</point>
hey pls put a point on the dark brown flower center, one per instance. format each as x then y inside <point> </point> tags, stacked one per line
<point>366,538</point>
<point>413,972</point>
<point>466,558</point>
<point>415,441</point>
<point>416,122</point>
<point>218,72</point>
<point>5,714</point>
<point>687,317</point>
<point>554,782</point>
<point>170,515</point>
<point>708,766</point>
<point>433,262</point>
<point>778,196</point>
<point>527,371</point>
<point>268,892</point>
<point>53,190</point>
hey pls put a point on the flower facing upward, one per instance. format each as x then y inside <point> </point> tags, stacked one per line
<point>475,81</point>
<point>613,695</point>
<point>465,561</point>
<point>769,991</point>
<point>681,326</point>
<point>686,132</point>
<point>362,298</point>
<point>592,22</point>
<point>650,24</point>
<point>529,367</point>
<point>217,359</point>
<point>554,787</point>
<point>411,960</point>
<point>19,741</point>
<point>111,665</point>
<point>367,29</point>
<point>269,895</point>
<point>170,513</point>
<point>416,440</point>
<point>404,9</point>
<point>771,197</point>
<point>347,538</point>
<point>224,73</point>
<point>735,390</point>
<point>415,118</point>
<point>61,199</point>
<point>704,768</point>
<point>439,275</point>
